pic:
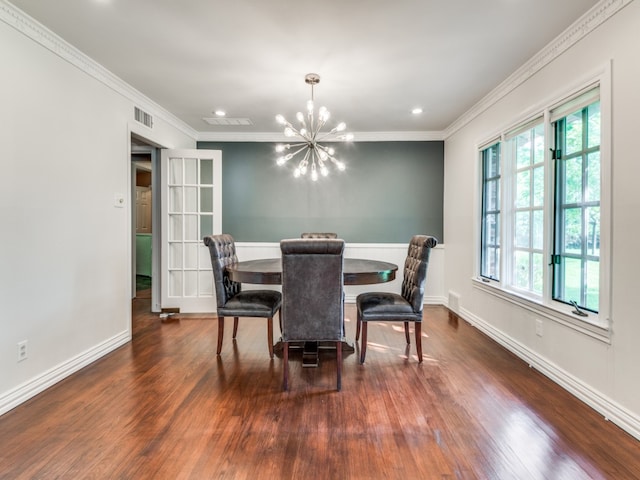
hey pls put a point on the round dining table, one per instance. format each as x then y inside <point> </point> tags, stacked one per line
<point>356,271</point>
<point>268,271</point>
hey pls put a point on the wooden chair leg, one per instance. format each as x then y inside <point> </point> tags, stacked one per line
<point>363,343</point>
<point>406,333</point>
<point>339,364</point>
<point>418,327</point>
<point>270,335</point>
<point>285,366</point>
<point>235,327</point>
<point>358,322</point>
<point>220,334</point>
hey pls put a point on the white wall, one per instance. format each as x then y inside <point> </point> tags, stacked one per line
<point>65,253</point>
<point>605,376</point>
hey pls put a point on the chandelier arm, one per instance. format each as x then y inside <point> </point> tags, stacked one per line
<point>318,128</point>
<point>304,145</point>
<point>326,136</point>
<point>298,144</point>
<point>294,129</point>
<point>297,132</point>
<point>311,122</point>
<point>305,161</point>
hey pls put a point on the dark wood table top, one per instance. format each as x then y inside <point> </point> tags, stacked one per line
<point>268,271</point>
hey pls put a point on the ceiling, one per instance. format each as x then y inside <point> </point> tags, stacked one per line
<point>377,59</point>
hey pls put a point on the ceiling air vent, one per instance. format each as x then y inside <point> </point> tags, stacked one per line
<point>143,117</point>
<point>228,121</point>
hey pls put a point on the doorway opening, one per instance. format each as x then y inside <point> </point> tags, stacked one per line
<point>145,220</point>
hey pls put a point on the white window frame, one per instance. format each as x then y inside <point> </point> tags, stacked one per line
<point>498,144</point>
<point>509,223</point>
<point>595,325</point>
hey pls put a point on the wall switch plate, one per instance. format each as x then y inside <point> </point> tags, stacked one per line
<point>118,200</point>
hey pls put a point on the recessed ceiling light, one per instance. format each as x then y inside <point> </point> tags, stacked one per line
<point>220,113</point>
<point>416,111</point>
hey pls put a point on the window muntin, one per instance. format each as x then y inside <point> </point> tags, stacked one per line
<point>526,268</point>
<point>490,228</point>
<point>576,257</point>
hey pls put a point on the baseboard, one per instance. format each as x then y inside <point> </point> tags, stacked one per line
<point>602,404</point>
<point>11,399</point>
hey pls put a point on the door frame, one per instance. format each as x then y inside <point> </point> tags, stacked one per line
<point>142,135</point>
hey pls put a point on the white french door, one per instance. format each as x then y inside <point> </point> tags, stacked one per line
<point>191,209</point>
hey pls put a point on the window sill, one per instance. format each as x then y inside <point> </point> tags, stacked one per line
<point>592,326</point>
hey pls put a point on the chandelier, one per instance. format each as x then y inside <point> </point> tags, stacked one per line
<point>313,156</point>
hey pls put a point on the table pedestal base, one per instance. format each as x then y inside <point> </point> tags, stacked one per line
<point>310,350</point>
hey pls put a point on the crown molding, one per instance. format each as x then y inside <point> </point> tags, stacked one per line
<point>37,32</point>
<point>40,34</point>
<point>599,13</point>
<point>359,137</point>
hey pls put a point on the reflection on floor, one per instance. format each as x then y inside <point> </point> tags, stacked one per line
<point>143,282</point>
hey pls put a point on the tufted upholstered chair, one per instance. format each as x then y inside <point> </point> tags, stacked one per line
<point>312,306</point>
<point>231,300</point>
<point>319,235</point>
<point>404,307</point>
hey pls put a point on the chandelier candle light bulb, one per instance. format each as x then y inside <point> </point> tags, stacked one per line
<point>316,154</point>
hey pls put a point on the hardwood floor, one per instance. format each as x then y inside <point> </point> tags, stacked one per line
<point>165,407</point>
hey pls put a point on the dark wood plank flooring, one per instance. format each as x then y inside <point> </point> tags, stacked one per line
<point>165,407</point>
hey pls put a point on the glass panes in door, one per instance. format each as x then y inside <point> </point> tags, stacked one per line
<point>192,212</point>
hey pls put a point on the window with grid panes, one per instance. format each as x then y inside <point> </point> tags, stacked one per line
<point>540,225</point>
<point>490,227</point>
<point>576,256</point>
<point>527,196</point>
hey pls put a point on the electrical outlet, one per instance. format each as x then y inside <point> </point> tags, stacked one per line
<point>22,351</point>
<point>539,328</point>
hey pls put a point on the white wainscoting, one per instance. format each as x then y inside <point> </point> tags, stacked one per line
<point>387,252</point>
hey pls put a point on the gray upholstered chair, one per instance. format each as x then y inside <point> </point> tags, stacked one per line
<point>405,307</point>
<point>231,300</point>
<point>312,306</point>
<point>319,235</point>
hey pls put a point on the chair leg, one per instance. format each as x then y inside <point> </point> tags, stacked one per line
<point>406,333</point>
<point>363,343</point>
<point>220,334</point>
<point>418,327</point>
<point>235,327</point>
<point>270,335</point>
<point>339,364</point>
<point>285,366</point>
<point>358,322</point>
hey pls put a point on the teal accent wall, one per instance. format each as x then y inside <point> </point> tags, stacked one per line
<point>389,192</point>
